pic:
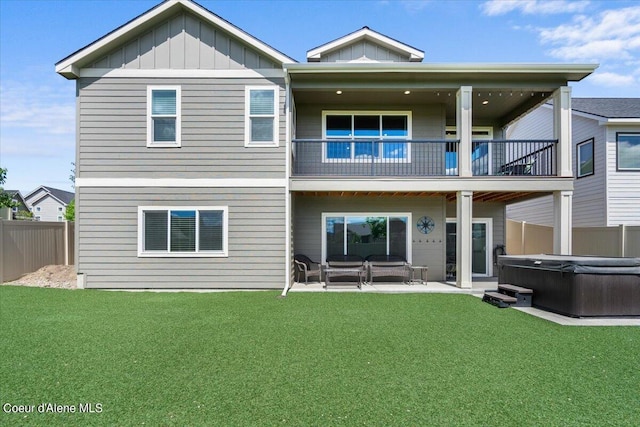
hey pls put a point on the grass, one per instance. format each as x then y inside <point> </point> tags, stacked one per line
<point>249,358</point>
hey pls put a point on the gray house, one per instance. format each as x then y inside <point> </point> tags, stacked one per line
<point>206,158</point>
<point>48,203</point>
<point>19,204</point>
<point>606,159</point>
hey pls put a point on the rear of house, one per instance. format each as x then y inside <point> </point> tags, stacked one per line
<point>206,158</point>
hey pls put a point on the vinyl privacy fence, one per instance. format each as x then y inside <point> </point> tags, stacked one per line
<point>524,239</point>
<point>28,246</point>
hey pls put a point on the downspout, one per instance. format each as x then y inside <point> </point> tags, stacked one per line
<point>287,195</point>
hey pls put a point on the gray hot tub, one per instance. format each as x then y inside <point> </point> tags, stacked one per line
<point>576,285</point>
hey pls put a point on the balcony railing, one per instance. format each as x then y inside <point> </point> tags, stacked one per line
<point>420,157</point>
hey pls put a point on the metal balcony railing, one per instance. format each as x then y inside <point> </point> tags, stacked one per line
<point>374,157</point>
<point>420,157</point>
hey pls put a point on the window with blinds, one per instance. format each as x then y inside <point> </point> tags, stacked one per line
<point>163,111</point>
<point>261,127</point>
<point>178,231</point>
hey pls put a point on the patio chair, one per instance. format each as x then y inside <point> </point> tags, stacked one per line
<point>306,268</point>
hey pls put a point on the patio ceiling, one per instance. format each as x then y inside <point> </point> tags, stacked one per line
<point>478,196</point>
<point>489,104</point>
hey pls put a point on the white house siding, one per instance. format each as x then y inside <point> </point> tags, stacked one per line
<point>624,186</point>
<point>184,42</point>
<point>108,239</point>
<point>427,250</point>
<point>589,195</point>
<point>113,131</point>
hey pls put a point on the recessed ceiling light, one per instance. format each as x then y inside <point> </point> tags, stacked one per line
<point>407,92</point>
<point>339,92</point>
<point>485,102</point>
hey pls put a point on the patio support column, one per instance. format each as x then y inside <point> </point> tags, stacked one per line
<point>562,129</point>
<point>562,226</point>
<point>464,216</point>
<point>463,129</point>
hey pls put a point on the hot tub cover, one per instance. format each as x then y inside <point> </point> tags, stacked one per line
<point>574,263</point>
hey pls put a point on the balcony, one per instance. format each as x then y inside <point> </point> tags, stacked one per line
<point>421,158</point>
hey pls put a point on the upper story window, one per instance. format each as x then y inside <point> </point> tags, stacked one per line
<point>369,136</point>
<point>163,116</point>
<point>261,118</point>
<point>628,151</point>
<point>182,231</point>
<point>584,158</point>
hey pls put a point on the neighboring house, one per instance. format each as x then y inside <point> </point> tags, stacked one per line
<point>20,204</point>
<point>207,159</point>
<point>606,159</point>
<point>48,204</point>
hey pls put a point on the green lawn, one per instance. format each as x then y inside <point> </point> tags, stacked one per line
<point>250,358</point>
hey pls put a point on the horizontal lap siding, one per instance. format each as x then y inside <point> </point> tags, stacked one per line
<point>624,186</point>
<point>113,131</point>
<point>108,239</point>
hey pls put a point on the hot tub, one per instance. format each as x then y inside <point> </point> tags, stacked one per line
<point>577,286</point>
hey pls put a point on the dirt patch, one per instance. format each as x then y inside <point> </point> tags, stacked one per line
<point>49,276</point>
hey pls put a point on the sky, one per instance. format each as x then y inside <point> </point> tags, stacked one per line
<point>37,106</point>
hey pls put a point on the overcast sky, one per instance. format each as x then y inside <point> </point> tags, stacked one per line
<point>37,106</point>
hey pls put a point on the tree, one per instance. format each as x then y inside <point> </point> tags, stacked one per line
<point>72,177</point>
<point>6,201</point>
<point>70,212</point>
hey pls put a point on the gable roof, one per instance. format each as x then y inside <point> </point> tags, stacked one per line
<point>64,197</point>
<point>414,54</point>
<point>70,66</point>
<point>611,108</point>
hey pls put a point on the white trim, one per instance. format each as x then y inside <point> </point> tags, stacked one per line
<point>69,67</point>
<point>275,140</point>
<point>180,73</point>
<point>197,254</point>
<point>488,243</point>
<point>323,236</point>
<point>178,117</point>
<point>413,53</point>
<point>352,139</point>
<point>183,182</point>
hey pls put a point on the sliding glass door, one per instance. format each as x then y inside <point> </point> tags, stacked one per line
<point>481,243</point>
<point>366,234</point>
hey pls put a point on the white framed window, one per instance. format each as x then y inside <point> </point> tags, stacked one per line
<point>164,113</point>
<point>60,219</point>
<point>481,152</point>
<point>59,208</point>
<point>366,234</point>
<point>584,158</point>
<point>628,151</point>
<point>367,135</point>
<point>14,209</point>
<point>38,218</point>
<point>38,208</point>
<point>261,116</point>
<point>183,231</point>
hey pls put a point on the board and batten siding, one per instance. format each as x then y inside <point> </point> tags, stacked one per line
<point>364,49</point>
<point>427,250</point>
<point>184,42</point>
<point>113,131</point>
<point>623,186</point>
<point>108,239</point>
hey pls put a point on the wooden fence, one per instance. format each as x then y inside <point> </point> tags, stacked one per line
<point>524,238</point>
<point>27,246</point>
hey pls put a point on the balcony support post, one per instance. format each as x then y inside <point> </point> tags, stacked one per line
<point>463,129</point>
<point>562,225</point>
<point>562,129</point>
<point>464,248</point>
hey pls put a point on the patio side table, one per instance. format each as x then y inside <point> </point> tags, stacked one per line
<point>421,272</point>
